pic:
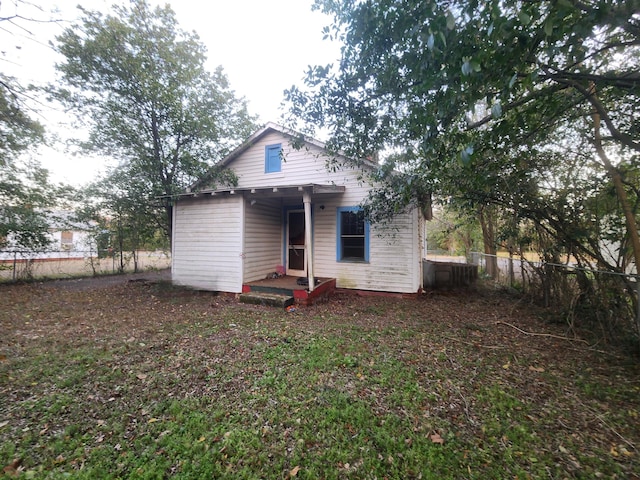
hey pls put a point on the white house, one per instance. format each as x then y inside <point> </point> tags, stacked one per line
<point>68,239</point>
<point>292,215</point>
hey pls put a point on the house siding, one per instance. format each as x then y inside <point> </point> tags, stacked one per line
<point>263,238</point>
<point>394,256</point>
<point>207,244</point>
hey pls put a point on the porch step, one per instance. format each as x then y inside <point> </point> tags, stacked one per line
<point>267,298</point>
<point>275,290</point>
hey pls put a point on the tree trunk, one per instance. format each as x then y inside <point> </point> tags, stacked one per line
<point>616,178</point>
<point>512,276</point>
<point>134,254</point>
<point>630,219</point>
<point>121,246</point>
<point>487,223</point>
<point>613,172</point>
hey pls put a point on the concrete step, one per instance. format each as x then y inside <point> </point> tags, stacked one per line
<point>267,298</point>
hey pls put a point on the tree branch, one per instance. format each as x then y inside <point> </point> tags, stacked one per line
<point>517,103</point>
<point>629,80</point>
<point>589,95</point>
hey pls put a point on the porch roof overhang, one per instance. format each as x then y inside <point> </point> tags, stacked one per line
<point>273,191</point>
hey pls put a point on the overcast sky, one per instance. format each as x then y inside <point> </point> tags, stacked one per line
<point>264,47</point>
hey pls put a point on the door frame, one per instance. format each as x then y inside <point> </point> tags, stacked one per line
<point>288,247</point>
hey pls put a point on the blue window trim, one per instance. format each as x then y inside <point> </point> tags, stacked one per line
<point>272,158</point>
<point>339,258</point>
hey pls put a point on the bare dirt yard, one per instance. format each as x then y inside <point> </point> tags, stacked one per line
<point>130,377</point>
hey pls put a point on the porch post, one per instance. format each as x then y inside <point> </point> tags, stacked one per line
<point>308,240</point>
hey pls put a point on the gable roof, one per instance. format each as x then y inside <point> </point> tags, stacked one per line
<point>269,127</point>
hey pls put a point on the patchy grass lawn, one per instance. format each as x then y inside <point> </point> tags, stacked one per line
<point>148,381</point>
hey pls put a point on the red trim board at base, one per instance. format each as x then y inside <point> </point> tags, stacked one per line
<point>377,293</point>
<point>301,294</point>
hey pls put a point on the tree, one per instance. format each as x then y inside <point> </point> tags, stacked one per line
<point>454,231</point>
<point>121,224</point>
<point>19,131</point>
<point>25,190</point>
<point>530,108</point>
<point>140,84</point>
<point>475,92</point>
<point>25,196</point>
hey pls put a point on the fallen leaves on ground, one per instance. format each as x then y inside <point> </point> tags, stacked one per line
<point>156,342</point>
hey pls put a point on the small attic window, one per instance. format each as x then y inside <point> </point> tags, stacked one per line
<point>272,158</point>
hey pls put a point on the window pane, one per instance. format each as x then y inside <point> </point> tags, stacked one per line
<point>352,223</point>
<point>296,258</point>
<point>353,248</point>
<point>272,159</point>
<point>296,228</point>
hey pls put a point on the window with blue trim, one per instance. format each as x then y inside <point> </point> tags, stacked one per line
<point>272,158</point>
<point>352,235</point>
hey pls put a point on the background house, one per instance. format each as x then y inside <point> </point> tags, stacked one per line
<point>68,239</point>
<point>290,214</point>
<point>72,251</point>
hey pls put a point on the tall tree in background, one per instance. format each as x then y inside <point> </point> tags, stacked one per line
<point>488,101</point>
<point>140,84</point>
<point>26,195</point>
<point>25,189</point>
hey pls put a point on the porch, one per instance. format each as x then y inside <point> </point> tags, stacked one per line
<point>288,286</point>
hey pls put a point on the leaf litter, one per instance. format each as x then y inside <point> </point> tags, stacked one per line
<point>109,358</point>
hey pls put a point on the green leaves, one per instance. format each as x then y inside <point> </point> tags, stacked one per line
<point>466,154</point>
<point>25,190</point>
<point>26,195</point>
<point>431,41</point>
<point>152,104</point>
<point>488,104</point>
<point>469,66</point>
<point>496,110</point>
<point>548,27</point>
<point>19,131</point>
<point>451,21</point>
<point>524,18</point>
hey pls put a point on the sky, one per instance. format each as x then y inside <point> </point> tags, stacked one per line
<point>264,48</point>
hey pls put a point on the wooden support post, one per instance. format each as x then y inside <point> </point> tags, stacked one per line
<point>308,239</point>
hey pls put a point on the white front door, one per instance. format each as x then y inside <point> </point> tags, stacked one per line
<point>295,247</point>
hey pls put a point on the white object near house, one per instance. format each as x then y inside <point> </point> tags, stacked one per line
<point>291,214</point>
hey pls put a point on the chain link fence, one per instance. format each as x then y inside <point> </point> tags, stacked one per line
<point>16,265</point>
<point>611,298</point>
